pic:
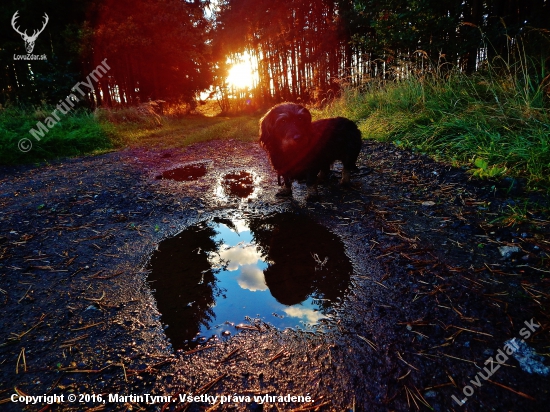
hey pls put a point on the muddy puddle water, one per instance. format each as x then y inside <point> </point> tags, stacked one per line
<point>284,269</point>
<point>184,173</point>
<point>237,184</point>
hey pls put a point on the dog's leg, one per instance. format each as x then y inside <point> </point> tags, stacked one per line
<point>312,193</point>
<point>346,174</point>
<point>324,173</point>
<point>286,190</point>
<point>349,166</point>
<point>352,150</point>
<point>311,183</point>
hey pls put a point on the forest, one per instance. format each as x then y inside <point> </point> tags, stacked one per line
<point>304,49</point>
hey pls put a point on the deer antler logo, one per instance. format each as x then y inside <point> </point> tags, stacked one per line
<point>29,40</point>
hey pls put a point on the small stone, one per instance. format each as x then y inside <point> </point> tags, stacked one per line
<point>507,251</point>
<point>528,359</point>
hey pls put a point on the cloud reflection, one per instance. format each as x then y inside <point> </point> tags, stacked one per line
<point>241,225</point>
<point>244,258</point>
<point>252,278</point>
<point>236,256</point>
<point>311,315</point>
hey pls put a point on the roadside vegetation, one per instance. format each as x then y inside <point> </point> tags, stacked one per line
<point>82,132</point>
<point>76,134</point>
<point>184,131</point>
<point>497,125</point>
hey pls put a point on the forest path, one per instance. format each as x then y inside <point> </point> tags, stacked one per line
<point>438,285</point>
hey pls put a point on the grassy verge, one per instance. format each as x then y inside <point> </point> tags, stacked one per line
<point>76,134</point>
<point>497,125</point>
<point>184,131</point>
<point>81,133</point>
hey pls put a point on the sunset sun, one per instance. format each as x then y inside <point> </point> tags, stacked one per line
<point>240,76</point>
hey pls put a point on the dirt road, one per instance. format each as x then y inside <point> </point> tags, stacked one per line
<point>438,287</point>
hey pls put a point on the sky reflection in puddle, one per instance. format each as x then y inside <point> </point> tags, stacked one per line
<point>284,269</point>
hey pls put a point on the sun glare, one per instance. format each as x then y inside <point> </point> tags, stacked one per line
<point>240,76</point>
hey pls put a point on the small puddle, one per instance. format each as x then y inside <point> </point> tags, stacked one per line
<point>285,269</point>
<point>184,173</point>
<point>240,184</point>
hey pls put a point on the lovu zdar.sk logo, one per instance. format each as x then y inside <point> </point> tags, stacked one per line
<point>29,40</point>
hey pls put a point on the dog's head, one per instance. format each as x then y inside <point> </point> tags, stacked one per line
<point>286,128</point>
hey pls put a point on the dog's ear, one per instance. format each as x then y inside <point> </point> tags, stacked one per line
<point>265,130</point>
<point>305,113</point>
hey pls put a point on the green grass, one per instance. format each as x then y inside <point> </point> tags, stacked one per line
<point>81,133</point>
<point>496,125</point>
<point>76,134</point>
<point>183,131</point>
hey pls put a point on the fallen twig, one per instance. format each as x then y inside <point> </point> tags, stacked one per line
<point>512,390</point>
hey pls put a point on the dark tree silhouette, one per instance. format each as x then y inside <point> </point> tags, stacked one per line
<point>305,49</point>
<point>155,49</point>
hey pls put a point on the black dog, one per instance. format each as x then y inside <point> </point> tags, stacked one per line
<point>299,148</point>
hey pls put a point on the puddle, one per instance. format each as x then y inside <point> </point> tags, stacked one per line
<point>184,173</point>
<point>285,269</point>
<point>237,184</point>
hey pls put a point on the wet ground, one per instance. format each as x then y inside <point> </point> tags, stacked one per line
<point>398,293</point>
